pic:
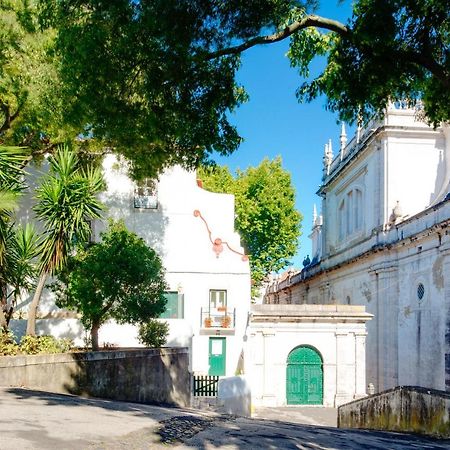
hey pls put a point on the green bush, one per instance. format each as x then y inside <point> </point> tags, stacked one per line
<point>8,346</point>
<point>153,333</point>
<point>33,345</point>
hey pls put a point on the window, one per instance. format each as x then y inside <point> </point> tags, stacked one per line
<point>357,210</point>
<point>420,291</point>
<point>342,220</point>
<point>350,214</point>
<point>217,300</point>
<point>146,194</point>
<point>174,306</point>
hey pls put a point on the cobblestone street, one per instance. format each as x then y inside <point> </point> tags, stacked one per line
<point>39,420</point>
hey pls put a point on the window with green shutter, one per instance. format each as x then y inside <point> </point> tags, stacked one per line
<point>174,306</point>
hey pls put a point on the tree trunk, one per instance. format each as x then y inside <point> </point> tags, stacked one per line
<point>3,309</point>
<point>32,310</point>
<point>94,336</point>
<point>3,321</point>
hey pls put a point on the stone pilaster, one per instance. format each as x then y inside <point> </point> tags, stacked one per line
<point>386,317</point>
<point>360,365</point>
<point>342,394</point>
<point>446,307</point>
<point>269,394</point>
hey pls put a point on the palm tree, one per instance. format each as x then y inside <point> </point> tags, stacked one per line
<point>11,183</point>
<point>66,203</point>
<point>19,269</point>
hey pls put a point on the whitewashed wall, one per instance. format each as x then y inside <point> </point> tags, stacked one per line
<point>184,244</point>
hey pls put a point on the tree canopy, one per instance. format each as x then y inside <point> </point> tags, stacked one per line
<point>119,278</point>
<point>156,80</point>
<point>266,217</point>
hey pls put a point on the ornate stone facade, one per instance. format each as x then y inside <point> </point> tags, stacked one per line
<point>383,242</point>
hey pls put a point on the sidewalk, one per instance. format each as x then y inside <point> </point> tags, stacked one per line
<point>311,415</point>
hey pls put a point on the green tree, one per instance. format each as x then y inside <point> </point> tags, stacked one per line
<point>66,203</point>
<point>30,100</point>
<point>18,245</point>
<point>266,217</point>
<point>168,67</point>
<point>153,333</point>
<point>120,278</point>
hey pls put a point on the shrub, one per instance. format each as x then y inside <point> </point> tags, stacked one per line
<point>8,346</point>
<point>33,345</point>
<point>153,333</point>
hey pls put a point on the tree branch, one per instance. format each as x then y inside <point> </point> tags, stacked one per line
<point>428,62</point>
<point>307,22</point>
<point>9,118</point>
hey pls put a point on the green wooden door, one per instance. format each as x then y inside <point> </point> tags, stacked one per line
<point>304,377</point>
<point>217,355</point>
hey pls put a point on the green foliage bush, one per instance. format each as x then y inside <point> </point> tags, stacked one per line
<point>153,333</point>
<point>32,345</point>
<point>8,346</point>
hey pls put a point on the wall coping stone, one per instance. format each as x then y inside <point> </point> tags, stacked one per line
<point>50,358</point>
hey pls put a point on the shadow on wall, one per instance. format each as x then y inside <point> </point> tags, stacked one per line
<point>142,376</point>
<point>153,376</point>
<point>59,328</point>
<point>150,224</point>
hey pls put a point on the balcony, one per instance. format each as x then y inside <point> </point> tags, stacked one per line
<point>217,321</point>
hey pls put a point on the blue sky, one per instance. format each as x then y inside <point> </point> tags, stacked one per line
<point>273,123</point>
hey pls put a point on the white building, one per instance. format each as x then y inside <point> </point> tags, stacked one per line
<point>383,242</point>
<point>206,269</point>
<point>207,272</point>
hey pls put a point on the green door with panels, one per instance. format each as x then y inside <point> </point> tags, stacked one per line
<point>304,377</point>
<point>217,355</point>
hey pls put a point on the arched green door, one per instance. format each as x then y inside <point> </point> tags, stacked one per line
<point>304,377</point>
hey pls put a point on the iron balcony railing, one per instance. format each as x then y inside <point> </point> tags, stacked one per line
<point>218,318</point>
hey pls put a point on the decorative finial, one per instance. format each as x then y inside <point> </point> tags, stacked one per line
<point>327,158</point>
<point>343,140</point>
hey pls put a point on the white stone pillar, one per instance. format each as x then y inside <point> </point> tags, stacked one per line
<point>342,394</point>
<point>269,396</point>
<point>445,249</point>
<point>360,365</point>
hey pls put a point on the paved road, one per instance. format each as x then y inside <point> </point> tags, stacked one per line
<point>38,420</point>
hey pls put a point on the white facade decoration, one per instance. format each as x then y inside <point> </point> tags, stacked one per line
<point>384,244</point>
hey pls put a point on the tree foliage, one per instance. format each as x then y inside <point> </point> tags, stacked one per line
<point>266,217</point>
<point>30,101</point>
<point>66,203</point>
<point>119,278</point>
<point>389,50</point>
<point>156,80</point>
<point>18,245</point>
<point>153,333</point>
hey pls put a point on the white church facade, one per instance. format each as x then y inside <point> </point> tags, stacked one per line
<point>382,241</point>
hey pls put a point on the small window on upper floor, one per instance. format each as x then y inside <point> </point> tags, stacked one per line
<point>146,194</point>
<point>217,300</point>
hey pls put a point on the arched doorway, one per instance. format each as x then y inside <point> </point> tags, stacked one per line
<point>304,377</point>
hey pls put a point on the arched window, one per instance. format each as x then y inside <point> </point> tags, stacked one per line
<point>350,213</point>
<point>357,210</point>
<point>341,217</point>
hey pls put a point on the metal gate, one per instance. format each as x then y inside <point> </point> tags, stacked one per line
<point>304,377</point>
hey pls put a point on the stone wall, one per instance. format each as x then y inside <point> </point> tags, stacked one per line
<point>404,408</point>
<point>142,376</point>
